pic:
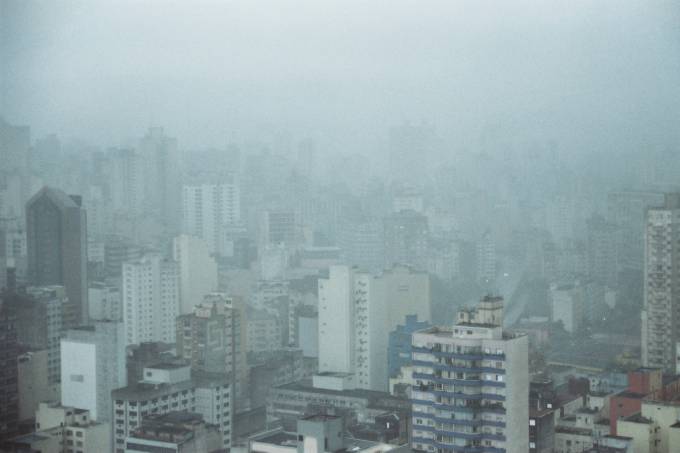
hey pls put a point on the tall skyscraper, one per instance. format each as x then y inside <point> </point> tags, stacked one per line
<point>208,209</point>
<point>56,231</point>
<point>197,271</point>
<point>92,365</point>
<point>661,312</point>
<point>160,160</point>
<point>150,299</point>
<point>471,385</point>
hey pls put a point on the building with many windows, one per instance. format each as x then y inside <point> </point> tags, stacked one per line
<point>471,385</point>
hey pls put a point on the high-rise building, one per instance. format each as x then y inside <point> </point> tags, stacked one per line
<point>9,391</point>
<point>197,271</point>
<point>150,299</point>
<point>603,243</point>
<point>626,210</point>
<point>209,209</point>
<point>92,365</point>
<point>160,160</point>
<point>56,231</point>
<point>278,227</point>
<point>471,385</point>
<point>406,239</point>
<point>210,338</point>
<point>357,310</point>
<point>568,305</point>
<point>661,312</point>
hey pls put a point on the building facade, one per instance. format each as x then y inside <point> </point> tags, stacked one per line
<point>471,385</point>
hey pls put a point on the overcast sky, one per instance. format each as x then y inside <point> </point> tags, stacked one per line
<point>600,74</point>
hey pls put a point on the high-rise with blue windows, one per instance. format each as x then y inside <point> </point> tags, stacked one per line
<point>470,388</point>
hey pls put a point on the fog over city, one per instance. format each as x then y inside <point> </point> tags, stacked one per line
<point>340,226</point>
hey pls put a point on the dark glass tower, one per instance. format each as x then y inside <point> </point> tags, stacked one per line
<point>57,248</point>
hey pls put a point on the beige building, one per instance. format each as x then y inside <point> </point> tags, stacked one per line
<point>653,429</point>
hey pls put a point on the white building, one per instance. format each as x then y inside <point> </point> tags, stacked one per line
<point>104,302</point>
<point>567,302</point>
<point>197,271</point>
<point>660,325</point>
<point>170,387</point>
<point>357,310</point>
<point>92,365</point>
<point>150,299</point>
<point>470,385</point>
<point>208,208</point>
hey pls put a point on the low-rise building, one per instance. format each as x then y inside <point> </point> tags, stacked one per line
<point>179,432</point>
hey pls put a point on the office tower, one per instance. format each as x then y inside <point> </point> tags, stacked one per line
<point>210,338</point>
<point>209,209</point>
<point>197,271</point>
<point>471,385</point>
<point>9,391</point>
<point>150,299</point>
<point>15,144</point>
<point>627,211</point>
<point>179,432</point>
<point>171,387</point>
<point>357,310</point>
<point>117,250</point>
<point>56,233</point>
<point>603,243</point>
<point>661,312</point>
<point>160,160</point>
<point>406,239</point>
<point>362,245</point>
<point>92,365</point>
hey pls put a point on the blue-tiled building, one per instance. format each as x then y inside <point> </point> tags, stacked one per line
<point>470,385</point>
<point>399,347</point>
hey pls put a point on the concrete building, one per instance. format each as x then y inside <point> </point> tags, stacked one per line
<point>603,244</point>
<point>207,209</point>
<point>567,304</point>
<point>211,339</point>
<point>627,211</point>
<point>9,391</point>
<point>406,239</point>
<point>150,299</point>
<point>197,271</point>
<point>34,385</point>
<point>278,227</point>
<point>92,365</point>
<point>314,434</point>
<point>171,387</point>
<point>61,429</point>
<point>362,245</point>
<point>56,232</point>
<point>332,393</point>
<point>357,310</point>
<point>105,302</point>
<point>471,384</point>
<point>660,319</point>
<point>40,314</point>
<point>180,432</point>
